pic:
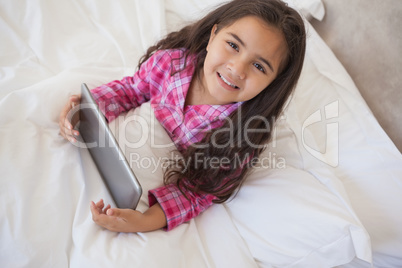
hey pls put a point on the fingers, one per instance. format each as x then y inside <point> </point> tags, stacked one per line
<point>100,204</point>
<point>94,210</point>
<point>68,132</point>
<point>65,125</point>
<point>105,217</point>
<point>99,207</point>
<point>69,117</point>
<point>97,210</point>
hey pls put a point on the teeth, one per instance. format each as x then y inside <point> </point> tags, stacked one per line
<point>226,81</point>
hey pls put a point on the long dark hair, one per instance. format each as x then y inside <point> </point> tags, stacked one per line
<point>259,113</point>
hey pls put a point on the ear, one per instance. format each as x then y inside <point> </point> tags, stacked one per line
<point>212,35</point>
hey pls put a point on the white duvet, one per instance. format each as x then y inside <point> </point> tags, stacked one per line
<point>327,193</point>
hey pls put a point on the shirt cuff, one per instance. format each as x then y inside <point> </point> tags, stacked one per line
<point>177,208</point>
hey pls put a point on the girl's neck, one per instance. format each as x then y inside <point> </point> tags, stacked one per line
<point>196,92</point>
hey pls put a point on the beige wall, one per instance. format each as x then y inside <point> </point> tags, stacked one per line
<point>366,36</point>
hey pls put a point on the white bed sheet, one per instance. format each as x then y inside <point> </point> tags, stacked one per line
<point>47,49</point>
<point>50,48</point>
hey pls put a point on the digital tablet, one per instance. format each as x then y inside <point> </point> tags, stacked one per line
<point>113,167</point>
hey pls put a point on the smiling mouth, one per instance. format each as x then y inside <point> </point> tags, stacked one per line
<point>227,82</point>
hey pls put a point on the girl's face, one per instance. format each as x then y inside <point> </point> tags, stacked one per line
<point>242,60</point>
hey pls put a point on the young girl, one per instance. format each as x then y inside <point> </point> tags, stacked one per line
<point>239,63</point>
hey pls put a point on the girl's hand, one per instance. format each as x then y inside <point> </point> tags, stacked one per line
<point>69,118</point>
<point>127,220</point>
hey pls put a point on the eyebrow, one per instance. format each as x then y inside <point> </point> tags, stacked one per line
<point>235,36</point>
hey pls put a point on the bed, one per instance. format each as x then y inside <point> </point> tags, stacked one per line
<point>326,193</point>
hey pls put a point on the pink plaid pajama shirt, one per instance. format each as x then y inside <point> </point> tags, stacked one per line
<point>164,80</point>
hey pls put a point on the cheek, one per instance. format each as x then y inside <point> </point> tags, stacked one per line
<point>257,86</point>
<point>210,63</point>
<point>216,54</point>
<point>261,82</point>
<point>207,64</point>
<point>267,81</point>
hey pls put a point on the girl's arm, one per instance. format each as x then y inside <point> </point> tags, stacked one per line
<point>120,96</point>
<point>128,220</point>
<point>168,209</point>
<point>123,95</point>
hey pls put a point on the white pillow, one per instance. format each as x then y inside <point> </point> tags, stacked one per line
<point>288,218</point>
<point>179,12</point>
<point>348,143</point>
<point>309,8</point>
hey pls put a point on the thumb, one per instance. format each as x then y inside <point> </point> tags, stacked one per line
<point>113,212</point>
<point>75,100</point>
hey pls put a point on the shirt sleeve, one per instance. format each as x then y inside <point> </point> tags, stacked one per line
<point>177,208</point>
<point>123,95</point>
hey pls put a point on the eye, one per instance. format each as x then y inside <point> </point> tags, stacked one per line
<point>259,67</point>
<point>233,45</point>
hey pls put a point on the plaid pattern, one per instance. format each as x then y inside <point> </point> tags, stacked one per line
<point>176,206</point>
<point>164,80</point>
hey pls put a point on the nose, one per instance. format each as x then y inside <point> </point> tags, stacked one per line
<point>238,68</point>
